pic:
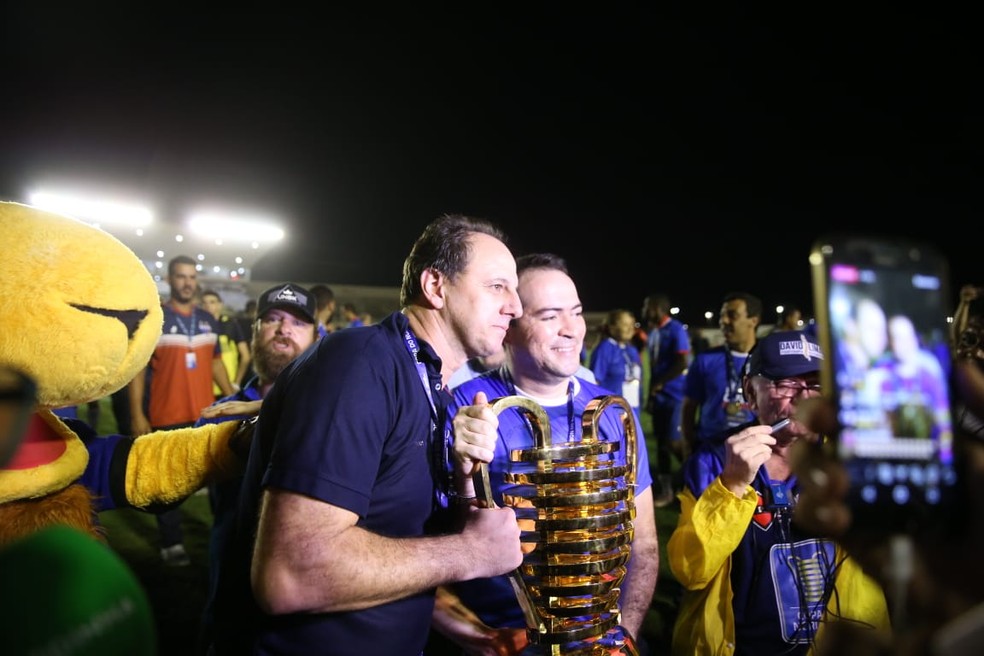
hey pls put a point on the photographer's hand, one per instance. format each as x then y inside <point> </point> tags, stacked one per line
<point>970,293</point>
<point>822,507</point>
<point>961,315</point>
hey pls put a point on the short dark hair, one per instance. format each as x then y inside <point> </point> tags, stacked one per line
<point>179,259</point>
<point>788,311</point>
<point>753,304</point>
<point>541,261</point>
<point>323,295</point>
<point>658,300</point>
<point>210,292</point>
<point>443,246</point>
<point>613,315</point>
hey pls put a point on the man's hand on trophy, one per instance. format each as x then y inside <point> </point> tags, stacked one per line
<point>492,536</point>
<point>475,432</point>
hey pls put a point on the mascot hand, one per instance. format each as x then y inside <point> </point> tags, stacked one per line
<point>167,466</point>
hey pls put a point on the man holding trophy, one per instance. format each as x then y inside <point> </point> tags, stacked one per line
<point>501,615</point>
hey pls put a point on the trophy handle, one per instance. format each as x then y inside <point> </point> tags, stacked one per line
<point>540,424</point>
<point>589,427</point>
<point>483,491</point>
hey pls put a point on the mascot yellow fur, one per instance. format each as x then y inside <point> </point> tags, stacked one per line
<point>81,315</point>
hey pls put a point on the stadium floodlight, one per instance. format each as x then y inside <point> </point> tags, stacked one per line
<point>230,227</point>
<point>92,210</point>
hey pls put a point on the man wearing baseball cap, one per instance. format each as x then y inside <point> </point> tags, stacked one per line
<point>288,296</point>
<point>753,581</point>
<point>284,327</point>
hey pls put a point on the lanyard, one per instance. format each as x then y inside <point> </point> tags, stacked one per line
<point>440,457</point>
<point>733,377</point>
<point>188,330</point>
<point>783,493</point>
<point>414,349</point>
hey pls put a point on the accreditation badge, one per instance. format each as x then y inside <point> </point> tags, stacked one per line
<point>736,413</point>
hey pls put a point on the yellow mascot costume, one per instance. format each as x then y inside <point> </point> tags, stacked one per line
<point>80,314</point>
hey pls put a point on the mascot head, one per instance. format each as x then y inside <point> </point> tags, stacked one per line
<point>80,314</point>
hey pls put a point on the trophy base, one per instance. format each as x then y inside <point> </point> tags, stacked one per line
<point>616,642</point>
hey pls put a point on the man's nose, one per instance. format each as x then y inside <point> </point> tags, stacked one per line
<point>515,306</point>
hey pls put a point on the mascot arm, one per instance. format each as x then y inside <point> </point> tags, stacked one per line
<point>166,466</point>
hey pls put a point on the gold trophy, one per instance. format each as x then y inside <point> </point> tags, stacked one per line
<point>576,505</point>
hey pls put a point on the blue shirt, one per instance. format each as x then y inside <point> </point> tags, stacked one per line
<point>618,368</point>
<point>349,423</point>
<point>714,382</point>
<point>493,599</point>
<point>672,340</point>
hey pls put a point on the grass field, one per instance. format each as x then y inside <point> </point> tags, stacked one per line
<point>177,594</point>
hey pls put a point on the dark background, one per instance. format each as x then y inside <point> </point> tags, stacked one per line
<point>690,152</point>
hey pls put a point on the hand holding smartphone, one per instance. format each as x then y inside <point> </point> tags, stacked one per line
<point>881,307</point>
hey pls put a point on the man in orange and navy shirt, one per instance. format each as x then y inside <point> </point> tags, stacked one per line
<point>180,375</point>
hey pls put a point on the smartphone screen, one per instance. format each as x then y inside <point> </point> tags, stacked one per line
<point>881,308</point>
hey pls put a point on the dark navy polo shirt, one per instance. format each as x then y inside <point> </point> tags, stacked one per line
<point>348,423</point>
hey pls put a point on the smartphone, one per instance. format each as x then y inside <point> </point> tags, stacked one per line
<point>881,308</point>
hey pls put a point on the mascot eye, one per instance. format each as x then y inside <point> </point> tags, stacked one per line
<point>129,318</point>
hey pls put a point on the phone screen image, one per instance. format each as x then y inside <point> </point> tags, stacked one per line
<point>884,307</point>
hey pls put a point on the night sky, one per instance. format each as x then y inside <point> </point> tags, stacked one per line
<point>689,153</point>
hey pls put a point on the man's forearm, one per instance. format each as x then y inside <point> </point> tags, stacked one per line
<point>296,567</point>
<point>135,395</point>
<point>643,569</point>
<point>221,377</point>
<point>245,358</point>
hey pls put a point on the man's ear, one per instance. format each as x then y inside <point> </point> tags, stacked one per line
<point>432,282</point>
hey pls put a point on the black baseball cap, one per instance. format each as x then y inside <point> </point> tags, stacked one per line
<point>288,296</point>
<point>785,354</point>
